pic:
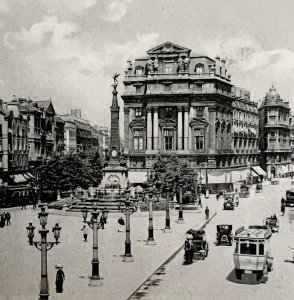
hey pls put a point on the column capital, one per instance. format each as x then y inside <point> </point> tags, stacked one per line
<point>126,110</point>
<point>149,109</point>
<point>180,108</point>
<point>186,108</point>
<point>155,109</point>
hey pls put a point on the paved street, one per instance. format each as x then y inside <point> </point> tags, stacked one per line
<point>214,278</point>
<point>119,279</point>
<point>209,279</point>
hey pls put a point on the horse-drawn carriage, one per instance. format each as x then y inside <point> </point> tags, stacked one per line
<point>224,234</point>
<point>196,245</point>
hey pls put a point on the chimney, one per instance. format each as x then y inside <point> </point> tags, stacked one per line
<point>223,66</point>
<point>217,65</point>
<point>76,113</point>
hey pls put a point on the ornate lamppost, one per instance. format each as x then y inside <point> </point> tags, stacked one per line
<point>168,189</point>
<point>128,210</point>
<point>150,194</point>
<point>43,246</point>
<point>196,183</point>
<point>180,219</point>
<point>94,224</point>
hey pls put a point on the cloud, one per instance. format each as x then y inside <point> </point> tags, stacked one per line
<point>116,10</point>
<point>59,61</point>
<point>4,8</point>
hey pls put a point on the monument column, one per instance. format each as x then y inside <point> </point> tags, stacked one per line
<point>149,128</point>
<point>126,127</point>
<point>155,128</point>
<point>180,128</point>
<point>186,127</point>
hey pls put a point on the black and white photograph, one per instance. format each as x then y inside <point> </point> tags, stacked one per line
<point>146,149</point>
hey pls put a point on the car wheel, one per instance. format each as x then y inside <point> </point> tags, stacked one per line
<point>238,274</point>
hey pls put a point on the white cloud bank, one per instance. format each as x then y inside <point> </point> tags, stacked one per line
<point>116,10</point>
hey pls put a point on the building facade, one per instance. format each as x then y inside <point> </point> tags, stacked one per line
<point>275,127</point>
<point>179,102</point>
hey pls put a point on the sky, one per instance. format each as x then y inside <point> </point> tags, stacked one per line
<point>67,50</point>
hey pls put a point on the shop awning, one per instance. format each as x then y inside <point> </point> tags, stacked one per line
<point>28,176</point>
<point>18,178</point>
<point>284,170</point>
<point>259,171</point>
<point>137,177</point>
<point>291,168</point>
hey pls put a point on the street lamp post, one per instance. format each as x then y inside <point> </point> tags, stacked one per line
<point>181,219</point>
<point>196,182</point>
<point>167,228</point>
<point>150,240</point>
<point>128,210</point>
<point>94,225</point>
<point>43,246</point>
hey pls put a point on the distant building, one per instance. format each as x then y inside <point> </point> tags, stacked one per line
<point>59,135</point>
<point>275,128</point>
<point>70,133</point>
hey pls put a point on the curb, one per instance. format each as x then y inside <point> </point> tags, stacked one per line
<point>167,261</point>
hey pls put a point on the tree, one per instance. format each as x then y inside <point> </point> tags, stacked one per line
<point>67,172</point>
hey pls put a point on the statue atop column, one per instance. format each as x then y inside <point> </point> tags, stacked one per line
<point>115,81</point>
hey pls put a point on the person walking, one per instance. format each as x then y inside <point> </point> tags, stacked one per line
<point>199,202</point>
<point>102,221</point>
<point>8,217</point>
<point>207,212</point>
<point>2,220</point>
<point>283,206</point>
<point>217,197</point>
<point>23,204</point>
<point>237,201</point>
<point>60,277</point>
<point>121,224</point>
<point>85,232</point>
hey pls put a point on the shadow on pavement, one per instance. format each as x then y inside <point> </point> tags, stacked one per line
<point>232,278</point>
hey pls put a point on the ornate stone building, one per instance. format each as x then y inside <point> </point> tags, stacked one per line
<point>179,102</point>
<point>275,126</point>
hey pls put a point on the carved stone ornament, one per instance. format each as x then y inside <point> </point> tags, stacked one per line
<point>212,108</point>
<point>186,108</point>
<point>137,123</point>
<point>180,108</point>
<point>149,109</point>
<point>126,110</point>
<point>167,123</point>
<point>198,123</point>
<point>155,109</point>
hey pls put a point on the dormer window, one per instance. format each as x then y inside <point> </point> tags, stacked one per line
<point>139,71</point>
<point>199,69</point>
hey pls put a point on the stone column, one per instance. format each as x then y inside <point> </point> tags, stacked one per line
<point>155,129</point>
<point>126,127</point>
<point>212,115</point>
<point>149,129</point>
<point>180,128</point>
<point>186,128</point>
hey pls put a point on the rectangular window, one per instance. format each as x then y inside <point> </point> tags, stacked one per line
<point>167,87</point>
<point>199,87</point>
<point>138,140</point>
<point>248,248</point>
<point>168,139</point>
<point>199,139</point>
<point>272,134</point>
<point>199,111</point>
<point>138,89</point>
<point>138,112</point>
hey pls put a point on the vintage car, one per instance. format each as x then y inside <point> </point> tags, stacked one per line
<point>259,188</point>
<point>244,192</point>
<point>196,245</point>
<point>252,255</point>
<point>224,234</point>
<point>273,223</point>
<point>289,201</point>
<point>229,202</point>
<point>222,193</point>
<point>275,181</point>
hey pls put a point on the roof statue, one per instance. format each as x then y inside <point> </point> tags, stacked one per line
<point>115,76</point>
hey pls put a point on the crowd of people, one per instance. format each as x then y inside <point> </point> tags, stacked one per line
<point>5,218</point>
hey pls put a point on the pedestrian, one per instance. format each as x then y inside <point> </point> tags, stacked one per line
<point>2,220</point>
<point>8,217</point>
<point>207,212</point>
<point>23,204</point>
<point>217,197</point>
<point>85,233</point>
<point>121,224</point>
<point>60,277</point>
<point>237,201</point>
<point>283,206</point>
<point>199,202</point>
<point>102,221</point>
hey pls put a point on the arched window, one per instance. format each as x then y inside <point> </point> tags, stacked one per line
<point>199,69</point>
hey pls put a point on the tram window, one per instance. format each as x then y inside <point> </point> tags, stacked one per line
<point>236,249</point>
<point>248,248</point>
<point>261,249</point>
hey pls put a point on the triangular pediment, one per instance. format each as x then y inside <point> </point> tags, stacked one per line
<point>51,109</point>
<point>168,48</point>
<point>197,122</point>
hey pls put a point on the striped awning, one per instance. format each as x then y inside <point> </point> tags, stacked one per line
<point>258,170</point>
